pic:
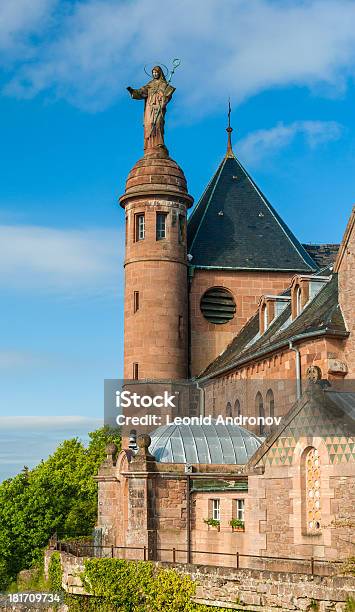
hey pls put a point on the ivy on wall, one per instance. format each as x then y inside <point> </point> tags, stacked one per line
<point>135,586</point>
<point>55,573</point>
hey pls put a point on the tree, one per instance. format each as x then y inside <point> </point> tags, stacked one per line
<point>60,495</point>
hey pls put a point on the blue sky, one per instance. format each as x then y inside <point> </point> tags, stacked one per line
<point>70,134</point>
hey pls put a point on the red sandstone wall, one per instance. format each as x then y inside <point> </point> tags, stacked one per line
<point>209,340</point>
<point>154,336</point>
<point>276,372</point>
<point>345,266</point>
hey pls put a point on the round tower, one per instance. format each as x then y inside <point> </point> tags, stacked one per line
<point>156,295</point>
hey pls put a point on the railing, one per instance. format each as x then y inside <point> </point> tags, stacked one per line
<point>313,566</point>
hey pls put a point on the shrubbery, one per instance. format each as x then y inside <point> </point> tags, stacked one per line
<point>135,586</point>
<point>58,495</point>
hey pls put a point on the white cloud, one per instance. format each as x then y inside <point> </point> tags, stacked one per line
<point>68,261</point>
<point>91,50</point>
<point>257,145</point>
<point>49,422</point>
<point>19,20</point>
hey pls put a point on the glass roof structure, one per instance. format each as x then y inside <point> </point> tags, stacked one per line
<point>213,444</point>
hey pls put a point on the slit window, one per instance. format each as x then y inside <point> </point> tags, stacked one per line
<point>139,227</point>
<point>161,226</point>
<point>135,301</point>
<point>181,229</point>
<point>135,371</point>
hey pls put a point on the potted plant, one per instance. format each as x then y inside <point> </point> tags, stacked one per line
<point>237,525</point>
<point>211,522</point>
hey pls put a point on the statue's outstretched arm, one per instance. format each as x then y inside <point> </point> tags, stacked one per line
<point>138,94</point>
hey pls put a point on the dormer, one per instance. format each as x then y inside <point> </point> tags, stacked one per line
<point>270,307</point>
<point>303,289</point>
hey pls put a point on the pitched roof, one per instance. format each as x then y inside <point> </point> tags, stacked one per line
<point>322,254</point>
<point>234,226</point>
<point>321,315</point>
<point>322,412</point>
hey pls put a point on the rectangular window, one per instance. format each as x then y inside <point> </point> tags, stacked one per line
<point>161,226</point>
<point>239,509</point>
<point>139,227</point>
<point>216,512</point>
<point>135,371</point>
<point>135,301</point>
<point>181,228</point>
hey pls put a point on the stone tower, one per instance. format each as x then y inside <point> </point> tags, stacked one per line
<point>156,295</point>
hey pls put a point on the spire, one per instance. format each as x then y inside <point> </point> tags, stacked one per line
<point>229,152</point>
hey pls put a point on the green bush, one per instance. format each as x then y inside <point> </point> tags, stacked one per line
<point>60,495</point>
<point>134,586</point>
<point>350,605</point>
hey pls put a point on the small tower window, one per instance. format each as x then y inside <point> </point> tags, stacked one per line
<point>237,408</point>
<point>139,227</point>
<point>135,301</point>
<point>229,410</point>
<point>161,226</point>
<point>135,371</point>
<point>181,229</point>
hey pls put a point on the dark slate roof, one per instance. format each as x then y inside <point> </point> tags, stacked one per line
<point>234,226</point>
<point>321,315</point>
<point>322,254</point>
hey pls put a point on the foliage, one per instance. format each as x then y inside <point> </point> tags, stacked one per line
<point>235,523</point>
<point>55,573</point>
<point>58,495</point>
<point>135,586</point>
<point>350,605</point>
<point>212,522</point>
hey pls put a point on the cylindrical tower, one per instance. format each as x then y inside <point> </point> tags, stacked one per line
<point>156,296</point>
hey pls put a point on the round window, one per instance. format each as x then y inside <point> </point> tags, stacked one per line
<point>218,305</point>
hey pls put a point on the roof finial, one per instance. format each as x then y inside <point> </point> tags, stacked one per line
<point>229,152</point>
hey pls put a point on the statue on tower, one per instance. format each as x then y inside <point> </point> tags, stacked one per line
<point>156,94</point>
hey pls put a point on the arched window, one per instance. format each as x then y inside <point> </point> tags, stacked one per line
<point>298,300</point>
<point>265,317</point>
<point>313,498</point>
<point>237,408</point>
<point>270,404</point>
<point>229,410</point>
<point>259,410</point>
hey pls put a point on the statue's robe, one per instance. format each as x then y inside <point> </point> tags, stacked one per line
<point>156,95</point>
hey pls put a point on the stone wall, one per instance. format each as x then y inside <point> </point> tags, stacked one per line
<point>244,589</point>
<point>276,372</point>
<point>207,339</point>
<point>345,266</point>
